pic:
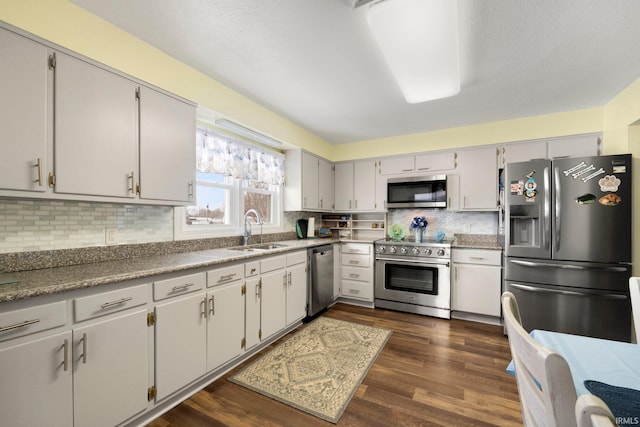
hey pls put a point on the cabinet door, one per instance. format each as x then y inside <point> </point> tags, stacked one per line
<point>427,163</point>
<point>181,343</point>
<point>23,108</point>
<point>344,186</point>
<point>364,178</point>
<point>35,387</point>
<point>478,179</point>
<point>575,146</point>
<point>476,289</point>
<point>396,165</point>
<point>310,172</point>
<point>252,312</point>
<point>225,326</point>
<point>325,185</point>
<point>96,135</point>
<point>111,362</point>
<point>167,147</point>
<point>523,152</point>
<point>273,308</point>
<point>296,293</point>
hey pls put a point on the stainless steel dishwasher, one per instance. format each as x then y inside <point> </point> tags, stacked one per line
<point>320,283</point>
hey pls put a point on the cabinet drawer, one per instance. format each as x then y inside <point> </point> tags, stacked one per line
<point>356,248</point>
<point>357,273</point>
<point>109,302</point>
<point>360,290</point>
<point>223,275</point>
<point>356,260</point>
<point>296,258</point>
<point>27,321</point>
<point>273,263</point>
<point>179,286</point>
<point>252,269</point>
<point>477,256</point>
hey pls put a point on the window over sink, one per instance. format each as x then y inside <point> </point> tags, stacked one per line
<point>232,176</point>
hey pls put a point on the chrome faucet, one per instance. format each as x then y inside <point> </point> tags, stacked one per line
<point>247,230</point>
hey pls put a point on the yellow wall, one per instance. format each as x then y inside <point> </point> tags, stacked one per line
<point>71,27</point>
<point>569,123</point>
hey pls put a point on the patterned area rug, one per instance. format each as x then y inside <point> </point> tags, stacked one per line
<point>319,368</point>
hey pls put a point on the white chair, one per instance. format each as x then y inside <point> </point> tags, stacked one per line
<point>591,411</point>
<point>634,290</point>
<point>545,385</point>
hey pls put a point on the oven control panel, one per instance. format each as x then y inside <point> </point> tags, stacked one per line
<point>402,249</point>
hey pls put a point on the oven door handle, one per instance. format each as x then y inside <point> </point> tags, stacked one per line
<point>410,261</point>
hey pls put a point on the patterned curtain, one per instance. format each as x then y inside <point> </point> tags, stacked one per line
<point>218,153</point>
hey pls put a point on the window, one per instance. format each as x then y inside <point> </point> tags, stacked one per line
<point>232,176</point>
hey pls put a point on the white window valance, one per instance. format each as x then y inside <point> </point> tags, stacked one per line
<point>222,154</point>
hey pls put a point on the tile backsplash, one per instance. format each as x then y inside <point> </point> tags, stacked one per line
<point>35,225</point>
<point>451,222</point>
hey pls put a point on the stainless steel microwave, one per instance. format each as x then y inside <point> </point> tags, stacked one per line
<point>417,192</point>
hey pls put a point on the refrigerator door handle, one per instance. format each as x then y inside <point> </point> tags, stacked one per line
<point>565,292</point>
<point>558,229</point>
<point>566,266</point>
<point>546,235</point>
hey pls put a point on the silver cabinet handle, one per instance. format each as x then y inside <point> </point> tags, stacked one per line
<point>39,166</point>
<point>212,305</point>
<point>228,277</point>
<point>477,258</point>
<point>132,189</point>
<point>19,325</point>
<point>253,270</point>
<point>284,280</point>
<point>203,305</point>
<point>353,261</point>
<point>423,169</point>
<point>112,303</point>
<point>354,275</point>
<point>65,361</point>
<point>354,291</point>
<point>84,348</point>
<point>182,287</point>
<point>190,190</point>
<point>289,278</point>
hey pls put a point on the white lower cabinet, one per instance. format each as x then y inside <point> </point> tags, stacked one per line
<point>296,287</point>
<point>36,383</point>
<point>356,268</point>
<point>110,374</point>
<point>180,332</point>
<point>225,323</point>
<point>477,281</point>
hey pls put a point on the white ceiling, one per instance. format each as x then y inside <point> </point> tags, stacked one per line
<point>315,62</point>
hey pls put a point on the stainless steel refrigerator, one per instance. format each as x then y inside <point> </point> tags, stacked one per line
<point>568,244</point>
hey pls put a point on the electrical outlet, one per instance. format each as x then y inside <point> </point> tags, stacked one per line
<point>111,235</point>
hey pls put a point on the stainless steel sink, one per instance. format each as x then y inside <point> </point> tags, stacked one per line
<point>257,248</point>
<point>268,246</point>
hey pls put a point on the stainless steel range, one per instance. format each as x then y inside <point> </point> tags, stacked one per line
<point>414,277</point>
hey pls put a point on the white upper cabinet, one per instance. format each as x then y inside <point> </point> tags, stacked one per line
<point>96,134</point>
<point>167,150</point>
<point>364,179</point>
<point>574,146</point>
<point>522,152</point>
<point>344,186</point>
<point>435,162</point>
<point>478,178</point>
<point>309,182</point>
<point>23,108</point>
<point>397,165</point>
<point>325,185</point>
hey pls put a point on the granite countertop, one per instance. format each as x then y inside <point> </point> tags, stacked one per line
<point>46,281</point>
<point>476,241</point>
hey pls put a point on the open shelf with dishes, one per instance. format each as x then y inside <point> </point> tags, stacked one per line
<point>357,226</point>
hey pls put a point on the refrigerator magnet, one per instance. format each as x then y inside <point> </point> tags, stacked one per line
<point>610,200</point>
<point>517,187</point>
<point>530,190</point>
<point>619,166</point>
<point>609,183</point>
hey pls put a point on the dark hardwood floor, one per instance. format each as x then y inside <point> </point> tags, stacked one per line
<point>432,372</point>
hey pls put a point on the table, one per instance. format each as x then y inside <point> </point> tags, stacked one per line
<point>612,362</point>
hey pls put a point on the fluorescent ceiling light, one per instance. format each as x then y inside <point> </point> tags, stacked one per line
<point>248,133</point>
<point>419,40</point>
